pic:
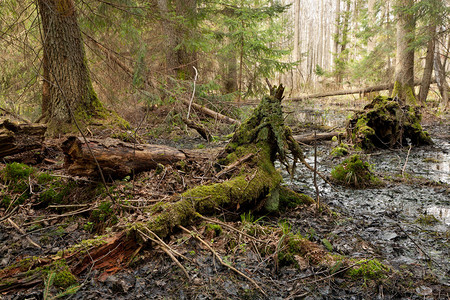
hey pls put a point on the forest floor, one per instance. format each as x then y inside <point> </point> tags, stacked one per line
<point>397,236</point>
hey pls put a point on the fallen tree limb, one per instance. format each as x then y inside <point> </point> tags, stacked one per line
<point>16,138</point>
<point>211,113</point>
<point>116,158</point>
<point>309,138</point>
<point>374,88</point>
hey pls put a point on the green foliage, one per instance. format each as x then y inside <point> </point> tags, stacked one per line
<point>216,229</point>
<point>15,172</point>
<point>355,173</point>
<point>369,269</point>
<point>104,213</point>
<point>340,150</point>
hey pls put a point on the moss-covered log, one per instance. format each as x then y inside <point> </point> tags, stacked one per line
<point>253,183</point>
<point>386,123</point>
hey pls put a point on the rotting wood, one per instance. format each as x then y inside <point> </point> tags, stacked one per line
<point>199,128</point>
<point>16,138</point>
<point>116,158</point>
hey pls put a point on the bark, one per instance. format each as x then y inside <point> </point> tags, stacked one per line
<point>296,51</point>
<point>16,138</point>
<point>428,70</point>
<point>116,158</point>
<point>67,85</point>
<point>404,69</point>
<point>372,18</point>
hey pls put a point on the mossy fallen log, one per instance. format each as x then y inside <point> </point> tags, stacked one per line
<point>253,184</point>
<point>386,123</point>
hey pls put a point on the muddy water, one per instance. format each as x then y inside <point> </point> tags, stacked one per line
<point>389,218</point>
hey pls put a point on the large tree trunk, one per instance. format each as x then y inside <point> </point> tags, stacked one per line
<point>404,69</point>
<point>428,70</point>
<point>67,87</point>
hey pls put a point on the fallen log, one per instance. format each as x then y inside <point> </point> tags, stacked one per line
<point>212,113</point>
<point>375,88</point>
<point>16,138</point>
<point>309,138</point>
<point>116,158</point>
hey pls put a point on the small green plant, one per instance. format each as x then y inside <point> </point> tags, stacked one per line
<point>327,244</point>
<point>215,228</point>
<point>355,173</point>
<point>427,220</point>
<point>340,150</point>
<point>369,269</point>
<point>89,226</point>
<point>104,213</point>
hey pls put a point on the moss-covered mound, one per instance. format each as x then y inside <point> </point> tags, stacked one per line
<point>385,123</point>
<point>355,173</point>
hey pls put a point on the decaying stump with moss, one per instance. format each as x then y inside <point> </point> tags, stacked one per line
<point>387,123</point>
<point>252,182</point>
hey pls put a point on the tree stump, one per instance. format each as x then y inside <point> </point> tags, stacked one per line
<point>386,123</point>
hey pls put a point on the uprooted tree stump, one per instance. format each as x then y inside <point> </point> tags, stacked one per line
<point>251,182</point>
<point>386,123</point>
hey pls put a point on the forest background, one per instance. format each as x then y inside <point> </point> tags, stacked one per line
<point>144,52</point>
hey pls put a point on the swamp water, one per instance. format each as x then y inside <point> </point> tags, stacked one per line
<point>405,222</point>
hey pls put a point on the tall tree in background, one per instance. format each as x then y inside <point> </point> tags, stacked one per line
<point>67,87</point>
<point>429,60</point>
<point>179,21</point>
<point>404,68</point>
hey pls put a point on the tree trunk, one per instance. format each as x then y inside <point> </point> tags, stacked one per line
<point>372,18</point>
<point>336,38</point>
<point>179,60</point>
<point>404,69</point>
<point>67,88</point>
<point>296,51</point>
<point>441,79</point>
<point>428,70</point>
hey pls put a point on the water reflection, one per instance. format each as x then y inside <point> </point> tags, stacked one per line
<point>441,213</point>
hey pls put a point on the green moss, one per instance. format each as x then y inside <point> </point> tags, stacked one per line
<point>63,277</point>
<point>340,150</point>
<point>427,220</point>
<point>104,213</point>
<point>215,228</point>
<point>369,269</point>
<point>15,171</point>
<point>355,173</point>
<point>291,199</point>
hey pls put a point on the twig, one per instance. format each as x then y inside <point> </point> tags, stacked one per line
<point>167,250</point>
<point>406,162</point>
<point>24,233</point>
<point>315,172</point>
<point>229,227</point>
<point>9,214</point>
<point>166,245</point>
<point>193,93</point>
<point>221,261</point>
<point>76,212</point>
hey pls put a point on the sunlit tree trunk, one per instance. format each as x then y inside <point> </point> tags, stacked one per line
<point>441,79</point>
<point>404,68</point>
<point>296,51</point>
<point>428,70</point>
<point>337,24</point>
<point>371,17</point>
<point>67,87</point>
